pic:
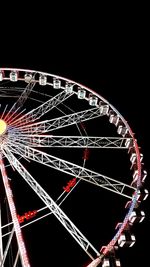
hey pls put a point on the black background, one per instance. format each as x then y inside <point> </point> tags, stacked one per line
<point>107,54</point>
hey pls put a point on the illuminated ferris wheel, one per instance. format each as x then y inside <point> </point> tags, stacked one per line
<point>67,130</point>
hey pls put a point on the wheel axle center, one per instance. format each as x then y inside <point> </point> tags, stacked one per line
<point>3,127</point>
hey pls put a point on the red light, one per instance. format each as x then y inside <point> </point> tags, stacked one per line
<point>82,125</point>
<point>86,154</point>
<point>20,218</point>
<point>69,185</point>
<point>28,215</point>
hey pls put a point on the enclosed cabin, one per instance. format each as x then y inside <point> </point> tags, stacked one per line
<point>93,100</point>
<point>14,76</point>
<point>68,87</point>
<point>104,108</point>
<point>28,77</point>
<point>81,94</point>
<point>56,83</point>
<point>122,129</point>
<point>42,79</point>
<point>137,215</point>
<point>127,238</point>
<point>110,260</point>
<point>113,118</point>
<point>136,174</point>
<point>133,155</point>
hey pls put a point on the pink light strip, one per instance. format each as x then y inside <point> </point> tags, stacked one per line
<point>20,241</point>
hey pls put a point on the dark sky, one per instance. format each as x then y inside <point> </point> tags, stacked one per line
<point>114,66</point>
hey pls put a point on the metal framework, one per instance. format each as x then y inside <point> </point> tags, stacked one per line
<point>70,141</point>
<point>60,122</point>
<point>55,209</point>
<point>26,137</point>
<point>42,109</point>
<point>21,245</point>
<point>75,170</point>
<point>23,97</point>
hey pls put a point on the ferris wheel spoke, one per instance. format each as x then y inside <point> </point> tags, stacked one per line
<point>71,141</point>
<point>60,122</point>
<point>7,247</point>
<point>38,112</point>
<point>50,203</point>
<point>23,97</point>
<point>75,170</point>
<point>13,116</point>
<point>20,241</point>
<point>95,262</point>
<point>4,111</point>
<point>8,91</point>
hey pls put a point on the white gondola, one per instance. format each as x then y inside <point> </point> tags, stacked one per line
<point>129,143</point>
<point>106,263</point>
<point>104,108</point>
<point>93,100</point>
<point>13,76</point>
<point>114,119</point>
<point>142,194</point>
<point>143,175</point>
<point>28,77</point>
<point>69,87</point>
<point>133,156</point>
<point>109,262</point>
<point>81,93</point>
<point>43,80</point>
<point>137,216</point>
<point>122,130</point>
<point>56,83</point>
<point>126,239</point>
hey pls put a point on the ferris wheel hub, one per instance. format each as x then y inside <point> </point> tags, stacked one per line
<point>3,127</point>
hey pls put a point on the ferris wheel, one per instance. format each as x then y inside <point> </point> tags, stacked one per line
<point>54,127</point>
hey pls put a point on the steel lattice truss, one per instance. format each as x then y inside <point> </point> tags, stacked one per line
<point>70,141</point>
<point>23,97</point>
<point>61,216</point>
<point>75,170</point>
<point>57,123</point>
<point>42,109</point>
<point>25,133</point>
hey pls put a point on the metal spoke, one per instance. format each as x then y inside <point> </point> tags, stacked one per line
<point>20,241</point>
<point>23,97</point>
<point>74,170</point>
<point>16,259</point>
<point>42,109</point>
<point>53,124</point>
<point>45,207</point>
<point>60,215</point>
<point>4,111</point>
<point>7,247</point>
<point>70,141</point>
